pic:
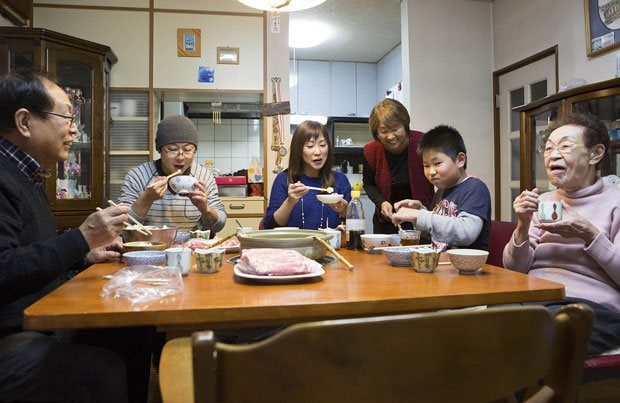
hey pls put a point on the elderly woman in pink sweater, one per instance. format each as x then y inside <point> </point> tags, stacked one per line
<point>582,249</point>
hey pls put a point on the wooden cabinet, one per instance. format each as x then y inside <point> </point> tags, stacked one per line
<point>76,187</point>
<point>601,99</point>
<point>247,210</point>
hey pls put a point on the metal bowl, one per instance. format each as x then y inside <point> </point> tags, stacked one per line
<point>299,240</point>
<point>164,235</point>
<point>143,246</point>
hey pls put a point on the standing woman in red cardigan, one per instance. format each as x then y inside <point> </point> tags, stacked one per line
<point>393,169</point>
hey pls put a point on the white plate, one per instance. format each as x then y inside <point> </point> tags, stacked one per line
<point>279,279</point>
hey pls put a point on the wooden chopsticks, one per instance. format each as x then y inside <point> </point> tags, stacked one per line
<point>137,224</point>
<point>333,251</point>
<point>177,172</point>
<point>143,232</point>
<point>226,238</point>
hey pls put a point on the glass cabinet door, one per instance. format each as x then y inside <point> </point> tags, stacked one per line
<point>78,177</point>
<point>607,108</point>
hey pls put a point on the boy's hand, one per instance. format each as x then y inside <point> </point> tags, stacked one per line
<point>405,214</point>
<point>416,204</point>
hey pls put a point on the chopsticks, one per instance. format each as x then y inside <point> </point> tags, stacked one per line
<point>127,225</point>
<point>226,238</point>
<point>333,251</point>
<point>138,225</point>
<point>177,172</point>
<point>327,189</point>
<point>412,247</point>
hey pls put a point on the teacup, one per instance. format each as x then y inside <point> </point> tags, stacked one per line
<point>425,261</point>
<point>183,184</point>
<point>549,211</point>
<point>204,234</point>
<point>335,240</point>
<point>209,260</point>
<point>179,258</point>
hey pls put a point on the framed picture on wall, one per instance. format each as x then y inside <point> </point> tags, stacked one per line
<point>227,55</point>
<point>602,18</point>
<point>188,42</point>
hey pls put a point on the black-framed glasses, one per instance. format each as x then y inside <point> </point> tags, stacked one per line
<point>70,117</point>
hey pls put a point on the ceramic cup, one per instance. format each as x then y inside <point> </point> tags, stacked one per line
<point>549,211</point>
<point>183,184</point>
<point>409,237</point>
<point>335,241</point>
<point>425,261</point>
<point>203,234</point>
<point>209,260</point>
<point>179,258</point>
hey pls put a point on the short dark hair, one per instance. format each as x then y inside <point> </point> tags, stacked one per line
<point>594,131</point>
<point>445,139</point>
<point>23,88</point>
<point>309,130</point>
<point>389,112</point>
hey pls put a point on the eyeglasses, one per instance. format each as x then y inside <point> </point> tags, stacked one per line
<point>175,152</point>
<point>564,147</point>
<point>70,117</point>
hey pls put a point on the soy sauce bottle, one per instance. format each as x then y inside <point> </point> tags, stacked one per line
<point>355,222</point>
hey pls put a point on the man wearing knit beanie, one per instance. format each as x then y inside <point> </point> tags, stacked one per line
<point>146,188</point>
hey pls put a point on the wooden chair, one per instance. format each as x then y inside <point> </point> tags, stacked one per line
<point>499,235</point>
<point>455,356</point>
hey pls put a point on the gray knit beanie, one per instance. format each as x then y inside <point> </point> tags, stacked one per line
<point>176,129</point>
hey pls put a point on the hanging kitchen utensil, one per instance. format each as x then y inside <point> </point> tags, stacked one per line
<point>277,143</point>
<point>216,109</point>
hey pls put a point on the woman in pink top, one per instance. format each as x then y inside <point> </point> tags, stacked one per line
<point>582,249</point>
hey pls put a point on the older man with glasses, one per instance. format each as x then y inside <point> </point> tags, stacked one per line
<point>146,188</point>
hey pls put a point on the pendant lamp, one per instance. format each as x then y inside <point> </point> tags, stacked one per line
<point>281,5</point>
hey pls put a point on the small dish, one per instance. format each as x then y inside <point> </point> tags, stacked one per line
<point>143,245</point>
<point>329,198</point>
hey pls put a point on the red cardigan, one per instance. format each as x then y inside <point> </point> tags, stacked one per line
<point>421,189</point>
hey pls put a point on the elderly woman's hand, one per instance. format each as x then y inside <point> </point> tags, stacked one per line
<point>572,225</point>
<point>525,205</point>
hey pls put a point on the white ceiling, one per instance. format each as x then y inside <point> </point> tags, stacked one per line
<point>362,30</point>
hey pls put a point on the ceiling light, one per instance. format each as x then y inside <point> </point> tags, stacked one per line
<point>307,34</point>
<point>282,5</point>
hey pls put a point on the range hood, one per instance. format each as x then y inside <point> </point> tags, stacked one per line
<point>229,110</point>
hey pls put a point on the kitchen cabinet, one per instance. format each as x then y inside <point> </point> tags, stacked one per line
<point>129,136</point>
<point>247,210</point>
<point>76,186</point>
<point>366,85</point>
<point>332,88</point>
<point>313,79</point>
<point>601,99</point>
<point>342,90</point>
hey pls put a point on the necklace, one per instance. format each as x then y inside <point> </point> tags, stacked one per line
<point>303,215</point>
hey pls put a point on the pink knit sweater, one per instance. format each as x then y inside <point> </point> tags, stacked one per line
<point>590,272</point>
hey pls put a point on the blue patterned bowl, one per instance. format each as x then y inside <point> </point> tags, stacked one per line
<point>144,257</point>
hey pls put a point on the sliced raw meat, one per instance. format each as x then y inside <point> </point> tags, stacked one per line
<point>275,262</point>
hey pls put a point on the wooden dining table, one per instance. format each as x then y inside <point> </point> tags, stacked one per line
<point>224,299</point>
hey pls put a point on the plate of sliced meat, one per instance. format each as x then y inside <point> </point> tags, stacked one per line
<point>278,279</point>
<point>276,265</point>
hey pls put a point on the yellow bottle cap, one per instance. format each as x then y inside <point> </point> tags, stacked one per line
<point>355,193</point>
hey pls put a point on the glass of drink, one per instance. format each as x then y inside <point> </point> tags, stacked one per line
<point>409,237</point>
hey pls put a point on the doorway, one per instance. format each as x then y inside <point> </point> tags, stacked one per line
<point>516,85</point>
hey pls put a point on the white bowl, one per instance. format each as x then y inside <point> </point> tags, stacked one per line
<point>467,261</point>
<point>329,198</point>
<point>375,240</point>
<point>183,184</point>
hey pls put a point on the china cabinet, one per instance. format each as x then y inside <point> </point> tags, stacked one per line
<point>82,68</point>
<point>601,99</point>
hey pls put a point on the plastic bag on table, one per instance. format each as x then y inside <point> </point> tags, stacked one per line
<point>143,283</point>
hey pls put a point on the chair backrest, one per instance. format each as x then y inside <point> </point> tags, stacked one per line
<point>499,235</point>
<point>456,356</point>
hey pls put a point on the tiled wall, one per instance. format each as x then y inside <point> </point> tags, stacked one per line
<point>231,144</point>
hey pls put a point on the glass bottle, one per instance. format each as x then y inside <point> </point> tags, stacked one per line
<point>355,222</point>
